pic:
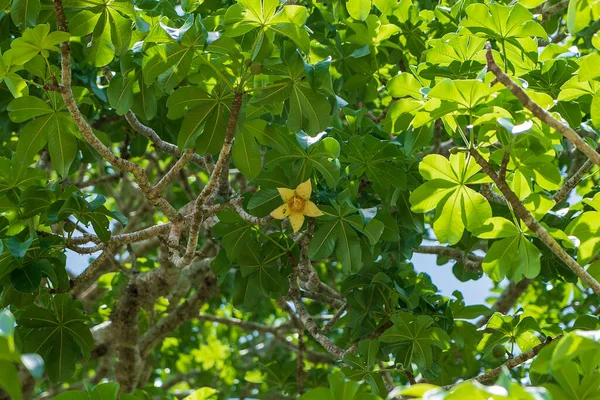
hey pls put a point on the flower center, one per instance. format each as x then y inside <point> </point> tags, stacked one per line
<point>296,204</point>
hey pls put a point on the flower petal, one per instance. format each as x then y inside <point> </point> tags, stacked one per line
<point>281,212</point>
<point>297,219</point>
<point>311,209</point>
<point>286,193</point>
<point>304,190</point>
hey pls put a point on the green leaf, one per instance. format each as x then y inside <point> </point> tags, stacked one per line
<point>502,22</point>
<point>588,67</point>
<point>586,227</point>
<point>264,201</point>
<point>72,395</point>
<point>205,393</point>
<point>27,279</point>
<point>415,336</point>
<point>309,110</point>
<point>105,391</point>
<point>457,206</point>
<point>83,23</point>
<point>467,94</point>
<point>59,335</point>
<point>359,9</point>
<point>120,92</point>
<point>246,154</point>
<point>62,146</point>
<point>193,123</point>
<point>34,136</point>
<point>323,241</point>
<point>579,15</point>
<point>403,85</point>
<point>496,228</point>
<point>18,248</point>
<point>38,40</point>
<point>101,50</point>
<point>595,110</point>
<point>24,13</point>
<point>212,136</point>
<point>9,379</point>
<point>27,107</point>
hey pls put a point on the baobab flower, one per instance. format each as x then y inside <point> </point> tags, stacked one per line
<point>296,205</point>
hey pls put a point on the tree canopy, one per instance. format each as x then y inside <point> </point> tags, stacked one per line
<point>211,199</point>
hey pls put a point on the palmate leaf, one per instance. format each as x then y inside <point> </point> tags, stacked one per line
<point>309,110</point>
<point>378,160</point>
<point>413,336</point>
<point>338,232</point>
<point>457,206</point>
<point>288,21</point>
<point>60,335</point>
<point>507,329</point>
<point>287,152</point>
<point>261,262</point>
<point>35,41</point>
<point>514,256</point>
<point>234,233</point>
<point>502,22</point>
<point>456,48</point>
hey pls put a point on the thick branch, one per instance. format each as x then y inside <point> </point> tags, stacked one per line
<point>310,324</point>
<point>538,111</point>
<point>534,225</point>
<point>184,312</point>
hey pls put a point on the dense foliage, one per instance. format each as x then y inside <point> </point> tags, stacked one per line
<point>221,199</point>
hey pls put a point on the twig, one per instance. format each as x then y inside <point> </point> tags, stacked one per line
<point>470,261</point>
<point>504,164</point>
<point>300,362</point>
<point>327,327</point>
<point>160,144</point>
<point>98,181</point>
<point>173,172</point>
<point>322,298</point>
<point>564,191</point>
<point>91,269</point>
<point>512,363</point>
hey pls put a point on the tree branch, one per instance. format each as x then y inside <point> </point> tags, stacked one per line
<point>563,192</point>
<point>512,363</point>
<point>160,144</point>
<point>471,261</point>
<point>207,191</point>
<point>533,224</point>
<point>118,163</point>
<point>538,111</point>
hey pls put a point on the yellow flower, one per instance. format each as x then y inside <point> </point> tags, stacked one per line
<point>296,205</point>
